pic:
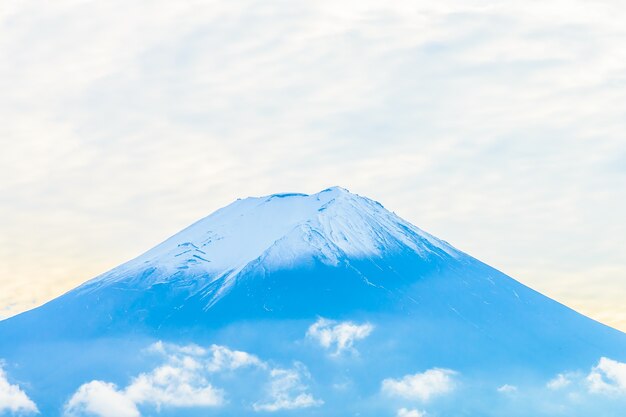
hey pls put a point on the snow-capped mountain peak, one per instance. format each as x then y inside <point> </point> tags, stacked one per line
<point>288,277</point>
<point>280,230</point>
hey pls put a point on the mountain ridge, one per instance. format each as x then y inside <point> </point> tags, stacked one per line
<point>316,231</point>
<point>258,274</point>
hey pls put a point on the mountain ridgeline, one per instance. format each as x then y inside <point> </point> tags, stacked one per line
<point>257,273</point>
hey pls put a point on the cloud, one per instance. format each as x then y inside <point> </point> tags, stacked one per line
<point>12,398</point>
<point>507,389</point>
<point>223,358</point>
<point>287,390</point>
<point>184,380</point>
<point>607,377</point>
<point>101,399</point>
<point>405,412</point>
<point>558,382</point>
<point>183,385</point>
<point>338,336</point>
<point>216,358</point>
<point>421,386</point>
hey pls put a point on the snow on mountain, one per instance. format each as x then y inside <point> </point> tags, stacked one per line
<point>345,308</point>
<point>280,229</point>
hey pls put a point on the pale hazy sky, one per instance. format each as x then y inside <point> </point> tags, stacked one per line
<point>499,126</point>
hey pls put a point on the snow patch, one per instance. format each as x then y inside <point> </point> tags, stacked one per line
<point>277,231</point>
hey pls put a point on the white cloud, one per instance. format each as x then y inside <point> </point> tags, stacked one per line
<point>338,336</point>
<point>182,381</point>
<point>507,389</point>
<point>405,412</point>
<point>287,391</point>
<point>182,385</point>
<point>12,398</point>
<point>421,386</point>
<point>101,399</point>
<point>608,377</point>
<point>223,358</point>
<point>215,358</point>
<point>559,382</point>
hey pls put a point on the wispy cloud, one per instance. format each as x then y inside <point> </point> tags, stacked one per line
<point>507,389</point>
<point>421,386</point>
<point>608,377</point>
<point>405,412</point>
<point>101,399</point>
<point>184,380</point>
<point>287,390</point>
<point>337,336</point>
<point>12,398</point>
<point>558,382</point>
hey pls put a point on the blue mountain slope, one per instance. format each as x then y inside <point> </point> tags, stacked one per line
<point>256,275</point>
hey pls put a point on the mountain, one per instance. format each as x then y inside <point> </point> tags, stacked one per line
<point>325,304</point>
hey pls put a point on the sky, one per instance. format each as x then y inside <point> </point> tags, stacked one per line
<point>497,126</point>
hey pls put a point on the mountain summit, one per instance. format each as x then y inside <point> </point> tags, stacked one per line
<point>279,231</point>
<point>271,277</point>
